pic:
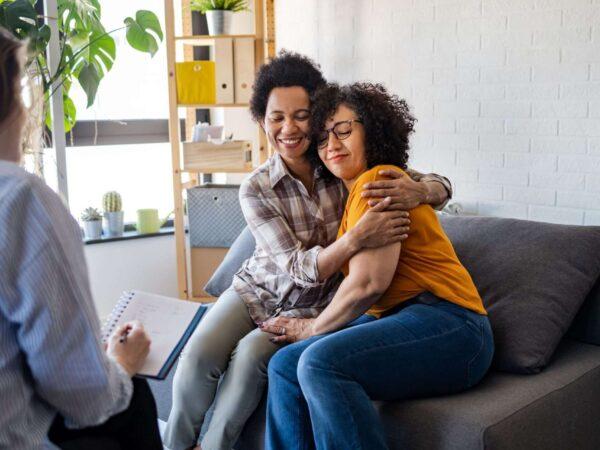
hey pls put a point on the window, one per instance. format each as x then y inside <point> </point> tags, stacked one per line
<point>135,90</point>
<point>141,173</point>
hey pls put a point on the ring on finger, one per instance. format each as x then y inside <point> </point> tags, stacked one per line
<point>283,330</point>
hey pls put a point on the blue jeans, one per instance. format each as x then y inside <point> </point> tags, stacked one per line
<point>320,389</point>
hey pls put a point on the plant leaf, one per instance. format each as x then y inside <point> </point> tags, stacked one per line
<point>78,15</point>
<point>149,21</point>
<point>88,52</point>
<point>96,48</point>
<point>19,17</point>
<point>40,43</point>
<point>89,79</point>
<point>138,35</point>
<point>225,5</point>
<point>70,112</point>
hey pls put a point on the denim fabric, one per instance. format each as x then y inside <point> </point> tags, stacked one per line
<point>320,389</point>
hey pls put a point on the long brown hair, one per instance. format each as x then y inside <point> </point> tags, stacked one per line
<point>10,73</point>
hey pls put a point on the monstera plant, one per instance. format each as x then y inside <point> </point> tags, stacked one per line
<point>87,49</point>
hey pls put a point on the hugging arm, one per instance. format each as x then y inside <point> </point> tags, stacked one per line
<point>376,228</point>
<point>408,192</point>
<point>310,267</point>
<point>370,273</point>
<point>438,189</point>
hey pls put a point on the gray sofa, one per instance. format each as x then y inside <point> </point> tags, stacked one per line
<point>543,391</point>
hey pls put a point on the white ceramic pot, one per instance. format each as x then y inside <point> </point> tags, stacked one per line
<point>113,223</point>
<point>92,229</point>
<point>219,21</point>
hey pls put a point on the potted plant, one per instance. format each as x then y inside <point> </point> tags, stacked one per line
<point>92,223</point>
<point>113,213</point>
<point>219,13</point>
<point>87,54</point>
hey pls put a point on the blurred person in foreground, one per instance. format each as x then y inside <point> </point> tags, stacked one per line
<point>58,386</point>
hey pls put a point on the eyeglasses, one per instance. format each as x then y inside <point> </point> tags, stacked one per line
<point>341,130</point>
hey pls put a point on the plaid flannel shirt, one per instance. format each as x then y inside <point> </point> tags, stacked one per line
<point>291,226</point>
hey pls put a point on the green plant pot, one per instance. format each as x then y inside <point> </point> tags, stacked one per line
<point>147,221</point>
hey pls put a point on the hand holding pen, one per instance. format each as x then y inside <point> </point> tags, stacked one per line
<point>129,346</point>
<point>123,335</point>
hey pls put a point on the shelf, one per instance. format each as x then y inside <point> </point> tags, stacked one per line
<point>188,160</point>
<point>219,170</point>
<point>206,40</point>
<point>214,105</point>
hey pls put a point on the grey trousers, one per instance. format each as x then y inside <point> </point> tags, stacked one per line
<point>225,344</point>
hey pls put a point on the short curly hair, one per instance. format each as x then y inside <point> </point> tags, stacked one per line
<point>285,70</point>
<point>386,119</point>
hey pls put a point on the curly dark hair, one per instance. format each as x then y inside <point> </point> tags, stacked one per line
<point>285,70</point>
<point>386,119</point>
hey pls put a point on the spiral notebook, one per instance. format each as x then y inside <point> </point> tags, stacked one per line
<point>168,321</point>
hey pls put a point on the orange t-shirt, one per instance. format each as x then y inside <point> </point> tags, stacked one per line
<point>427,259</point>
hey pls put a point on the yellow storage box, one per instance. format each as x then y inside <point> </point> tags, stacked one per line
<point>196,83</point>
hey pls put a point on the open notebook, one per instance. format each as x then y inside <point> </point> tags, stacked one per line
<point>168,321</point>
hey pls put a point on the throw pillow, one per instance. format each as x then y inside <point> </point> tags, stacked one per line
<point>241,249</point>
<point>533,278</point>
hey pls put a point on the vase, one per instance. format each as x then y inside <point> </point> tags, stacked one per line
<point>92,229</point>
<point>219,21</point>
<point>113,223</point>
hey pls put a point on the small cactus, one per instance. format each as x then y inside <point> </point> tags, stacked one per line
<point>90,215</point>
<point>111,202</point>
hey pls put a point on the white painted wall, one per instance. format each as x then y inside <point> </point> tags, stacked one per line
<point>146,264</point>
<point>507,92</point>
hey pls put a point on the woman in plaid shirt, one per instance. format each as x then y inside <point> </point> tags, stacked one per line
<point>294,214</point>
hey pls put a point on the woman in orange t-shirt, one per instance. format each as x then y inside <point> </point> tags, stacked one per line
<point>406,321</point>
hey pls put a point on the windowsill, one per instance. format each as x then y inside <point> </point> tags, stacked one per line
<point>128,235</point>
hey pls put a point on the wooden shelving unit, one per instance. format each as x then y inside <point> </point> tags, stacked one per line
<point>209,40</point>
<point>214,105</point>
<point>193,264</point>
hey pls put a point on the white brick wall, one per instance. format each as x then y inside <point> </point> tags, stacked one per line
<point>507,92</point>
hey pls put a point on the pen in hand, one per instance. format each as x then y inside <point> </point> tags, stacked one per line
<point>129,346</point>
<point>123,336</point>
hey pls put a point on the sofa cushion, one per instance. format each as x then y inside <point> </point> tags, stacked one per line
<point>554,410</point>
<point>586,326</point>
<point>241,249</point>
<point>532,276</point>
